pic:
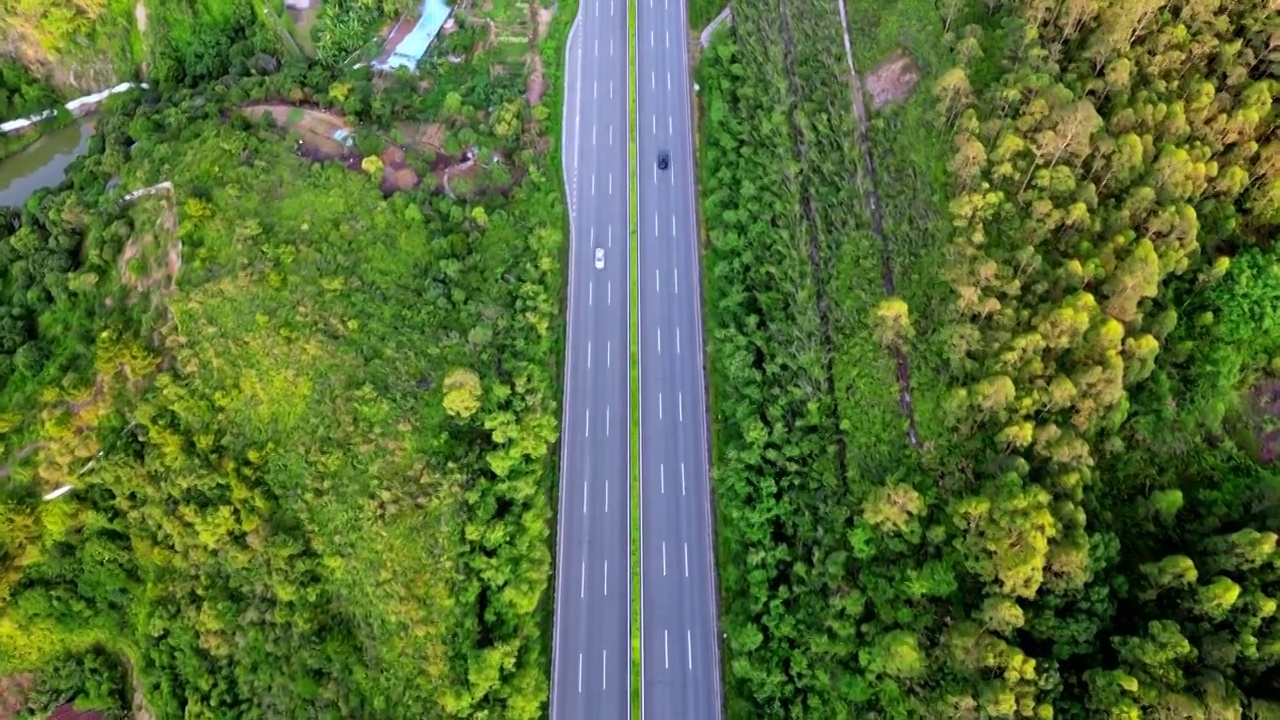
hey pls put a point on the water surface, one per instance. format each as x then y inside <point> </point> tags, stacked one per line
<point>43,164</point>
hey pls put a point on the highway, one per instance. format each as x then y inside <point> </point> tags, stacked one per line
<point>680,664</point>
<point>591,651</point>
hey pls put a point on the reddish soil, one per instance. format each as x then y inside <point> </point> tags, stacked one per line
<point>67,711</point>
<point>13,694</point>
<point>1265,406</point>
<point>537,84</point>
<point>893,81</point>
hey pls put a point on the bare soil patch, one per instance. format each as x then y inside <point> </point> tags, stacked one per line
<point>424,137</point>
<point>140,16</point>
<point>13,694</point>
<point>543,23</point>
<point>150,261</point>
<point>1264,420</point>
<point>893,80</point>
<point>67,711</point>
<point>396,175</point>
<point>317,129</point>
<point>536,86</point>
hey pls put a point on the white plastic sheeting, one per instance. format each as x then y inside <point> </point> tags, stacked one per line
<point>73,107</point>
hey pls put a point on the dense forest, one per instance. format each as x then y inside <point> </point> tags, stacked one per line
<point>1000,443</point>
<point>21,93</point>
<point>307,420</point>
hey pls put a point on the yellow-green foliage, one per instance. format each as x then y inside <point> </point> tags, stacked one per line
<point>287,502</point>
<point>81,44</point>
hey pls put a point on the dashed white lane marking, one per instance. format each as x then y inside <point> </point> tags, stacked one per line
<point>604,669</point>
<point>670,131</point>
<point>582,591</point>
<point>597,46</point>
<point>677,341</point>
<point>664,558</point>
<point>686,560</point>
<point>659,341</point>
<point>579,672</point>
<point>610,47</point>
<point>591,291</point>
<point>650,38</point>
<point>688,639</point>
<point>666,659</point>
<point>593,134</point>
<point>606,496</point>
<point>610,89</point>
<point>655,182</point>
<point>610,134</point>
<point>588,425</point>
<point>681,478</point>
<point>610,288</point>
<point>675,279</point>
<point>610,183</point>
<point>680,403</point>
<point>594,89</point>
<point>653,77</point>
<point>611,227</point>
<point>606,434</point>
<point>655,215</point>
<point>608,353</point>
<point>668,34</point>
<point>593,183</point>
<point>673,223</point>
<point>606,577</point>
<point>657,282</point>
<point>588,354</point>
<point>659,406</point>
<point>584,497</point>
<point>668,84</point>
<point>662,479</point>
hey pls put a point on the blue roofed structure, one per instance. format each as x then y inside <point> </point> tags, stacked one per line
<point>409,51</point>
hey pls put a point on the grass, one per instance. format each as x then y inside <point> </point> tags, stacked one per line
<point>300,28</point>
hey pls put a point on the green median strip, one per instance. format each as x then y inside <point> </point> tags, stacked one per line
<point>635,366</point>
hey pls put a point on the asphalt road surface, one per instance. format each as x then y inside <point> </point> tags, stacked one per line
<point>679,633</point>
<point>591,653</point>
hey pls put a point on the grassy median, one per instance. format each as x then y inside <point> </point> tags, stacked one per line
<point>635,367</point>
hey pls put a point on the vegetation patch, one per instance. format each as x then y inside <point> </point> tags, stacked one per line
<point>314,480</point>
<point>1086,531</point>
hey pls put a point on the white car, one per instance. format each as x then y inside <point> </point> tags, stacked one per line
<point>599,258</point>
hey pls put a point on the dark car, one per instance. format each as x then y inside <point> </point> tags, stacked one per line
<point>664,161</point>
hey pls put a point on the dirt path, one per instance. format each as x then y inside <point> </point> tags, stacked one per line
<point>725,16</point>
<point>877,222</point>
